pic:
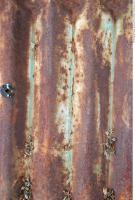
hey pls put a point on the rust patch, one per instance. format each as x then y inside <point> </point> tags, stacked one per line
<point>26,12</point>
<point>126,194</point>
<point>54,176</point>
<point>115,7</point>
<point>127,100</point>
<point>48,159</point>
<point>32,7</point>
<point>127,26</point>
<point>123,126</point>
<point>72,7</point>
<point>102,72</point>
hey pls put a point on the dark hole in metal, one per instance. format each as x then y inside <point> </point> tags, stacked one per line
<point>110,145</point>
<point>109,194</point>
<point>67,194</point>
<point>29,147</point>
<point>25,190</point>
<point>7,90</point>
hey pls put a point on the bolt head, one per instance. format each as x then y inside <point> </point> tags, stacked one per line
<point>7,90</point>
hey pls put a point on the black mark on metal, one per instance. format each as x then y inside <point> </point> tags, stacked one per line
<point>7,90</point>
<point>67,146</point>
<point>109,194</point>
<point>110,144</point>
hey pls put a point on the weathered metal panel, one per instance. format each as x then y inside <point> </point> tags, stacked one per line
<point>67,132</point>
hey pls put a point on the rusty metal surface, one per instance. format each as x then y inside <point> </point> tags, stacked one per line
<point>67,132</point>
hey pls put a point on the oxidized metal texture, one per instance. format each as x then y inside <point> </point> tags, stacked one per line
<point>67,133</point>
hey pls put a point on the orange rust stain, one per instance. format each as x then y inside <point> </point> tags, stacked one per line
<point>64,97</point>
<point>126,111</point>
<point>44,148</point>
<point>126,195</point>
<point>127,25</point>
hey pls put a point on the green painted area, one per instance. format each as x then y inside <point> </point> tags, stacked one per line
<point>106,23</point>
<point>70,64</point>
<point>112,73</point>
<point>31,79</point>
<point>97,169</point>
<point>68,155</point>
<point>108,27</point>
<point>70,83</point>
<point>111,28</point>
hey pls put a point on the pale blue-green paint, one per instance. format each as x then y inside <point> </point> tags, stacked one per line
<point>112,73</point>
<point>68,135</point>
<point>70,64</point>
<point>111,29</point>
<point>31,80</point>
<point>108,28</point>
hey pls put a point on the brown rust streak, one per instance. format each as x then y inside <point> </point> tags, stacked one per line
<point>123,125</point>
<point>48,169</point>
<point>6,75</point>
<point>102,72</point>
<point>25,13</point>
<point>24,16</point>
<point>88,149</point>
<point>21,29</point>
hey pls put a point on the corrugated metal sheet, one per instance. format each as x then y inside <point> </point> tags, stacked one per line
<point>67,132</point>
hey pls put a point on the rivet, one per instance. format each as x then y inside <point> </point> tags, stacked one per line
<point>7,90</point>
